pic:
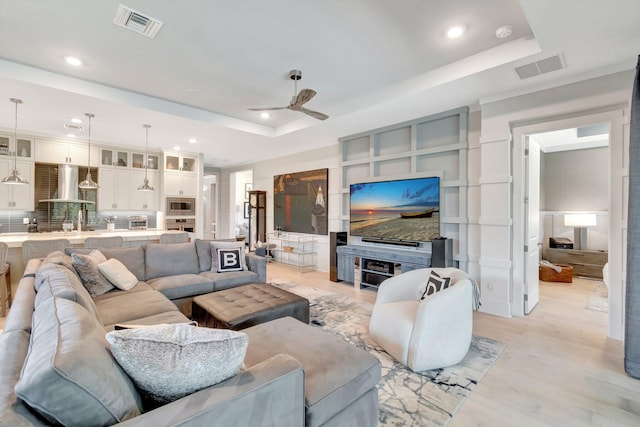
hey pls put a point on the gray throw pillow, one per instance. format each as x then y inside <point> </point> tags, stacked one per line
<point>87,268</point>
<point>171,361</point>
<point>215,245</point>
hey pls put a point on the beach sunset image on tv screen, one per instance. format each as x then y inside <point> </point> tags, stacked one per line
<point>406,209</point>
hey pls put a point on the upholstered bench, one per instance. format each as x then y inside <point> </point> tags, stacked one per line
<point>339,378</point>
<point>248,305</point>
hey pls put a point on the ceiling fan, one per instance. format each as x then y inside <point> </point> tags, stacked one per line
<point>298,100</point>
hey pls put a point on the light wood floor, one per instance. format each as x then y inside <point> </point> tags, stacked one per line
<point>559,367</point>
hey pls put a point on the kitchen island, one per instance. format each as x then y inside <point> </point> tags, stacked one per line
<point>14,241</point>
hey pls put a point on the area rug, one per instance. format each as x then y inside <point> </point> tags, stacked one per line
<point>406,398</point>
<point>599,298</point>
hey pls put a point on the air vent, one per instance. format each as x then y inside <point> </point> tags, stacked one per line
<point>543,66</point>
<point>136,21</point>
<point>76,128</point>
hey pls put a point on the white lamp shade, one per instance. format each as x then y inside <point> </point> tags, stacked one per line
<point>580,220</point>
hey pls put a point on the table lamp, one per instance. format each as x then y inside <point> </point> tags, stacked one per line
<point>580,222</point>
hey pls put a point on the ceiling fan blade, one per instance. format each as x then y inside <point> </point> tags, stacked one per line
<point>314,114</point>
<point>303,97</point>
<point>267,108</point>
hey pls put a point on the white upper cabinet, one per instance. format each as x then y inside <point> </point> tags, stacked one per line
<point>23,148</point>
<point>65,152</point>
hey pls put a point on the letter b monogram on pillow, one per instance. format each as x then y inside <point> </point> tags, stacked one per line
<point>229,260</point>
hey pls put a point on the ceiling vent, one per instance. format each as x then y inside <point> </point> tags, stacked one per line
<point>71,126</point>
<point>136,21</point>
<point>540,67</point>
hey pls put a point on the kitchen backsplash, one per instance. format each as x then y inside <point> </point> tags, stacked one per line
<point>12,222</point>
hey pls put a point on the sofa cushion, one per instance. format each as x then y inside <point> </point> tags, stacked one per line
<point>127,306</point>
<point>132,258</point>
<point>69,376</point>
<point>118,274</point>
<point>435,282</point>
<point>59,281</point>
<point>60,258</point>
<point>229,259</point>
<point>216,244</point>
<point>167,260</point>
<point>172,361</point>
<point>336,373</point>
<point>182,285</point>
<point>87,268</point>
<point>231,279</point>
<point>140,286</point>
<point>203,249</point>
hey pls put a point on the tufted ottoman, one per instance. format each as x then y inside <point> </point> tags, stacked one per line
<point>248,305</point>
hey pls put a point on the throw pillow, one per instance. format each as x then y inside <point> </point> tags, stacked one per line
<point>117,274</point>
<point>435,283</point>
<point>87,268</point>
<point>171,361</point>
<point>229,260</point>
<point>215,245</point>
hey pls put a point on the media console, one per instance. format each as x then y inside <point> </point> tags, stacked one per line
<point>377,263</point>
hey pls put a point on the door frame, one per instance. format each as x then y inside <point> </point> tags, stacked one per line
<point>519,134</point>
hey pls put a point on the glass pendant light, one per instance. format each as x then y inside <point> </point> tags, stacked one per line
<point>145,186</point>
<point>14,177</point>
<point>88,182</point>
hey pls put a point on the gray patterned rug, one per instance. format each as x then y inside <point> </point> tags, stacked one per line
<point>406,398</point>
<point>599,298</point>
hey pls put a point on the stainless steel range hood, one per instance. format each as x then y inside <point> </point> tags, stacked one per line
<point>67,186</point>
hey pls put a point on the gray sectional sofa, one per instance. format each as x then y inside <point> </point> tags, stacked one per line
<point>54,320</point>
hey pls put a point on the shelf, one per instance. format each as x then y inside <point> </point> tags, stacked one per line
<point>301,251</point>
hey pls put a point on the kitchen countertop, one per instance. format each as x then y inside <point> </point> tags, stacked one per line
<point>14,240</point>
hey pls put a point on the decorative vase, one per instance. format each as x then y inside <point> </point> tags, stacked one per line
<point>111,226</point>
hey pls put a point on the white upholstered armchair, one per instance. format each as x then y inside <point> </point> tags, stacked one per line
<point>424,334</point>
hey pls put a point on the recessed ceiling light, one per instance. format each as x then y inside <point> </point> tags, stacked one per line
<point>176,148</point>
<point>72,60</point>
<point>455,32</point>
<point>71,135</point>
<point>265,115</point>
<point>75,120</point>
<point>504,31</point>
<point>193,140</point>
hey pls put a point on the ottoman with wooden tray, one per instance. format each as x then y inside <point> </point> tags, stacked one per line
<point>248,305</point>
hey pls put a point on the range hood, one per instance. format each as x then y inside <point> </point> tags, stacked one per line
<point>67,186</point>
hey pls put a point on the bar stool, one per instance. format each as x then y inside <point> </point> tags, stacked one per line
<point>5,280</point>
<point>174,237</point>
<point>42,248</point>
<point>103,242</point>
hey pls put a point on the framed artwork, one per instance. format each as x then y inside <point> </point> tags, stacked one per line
<point>247,187</point>
<point>300,201</point>
<point>247,206</point>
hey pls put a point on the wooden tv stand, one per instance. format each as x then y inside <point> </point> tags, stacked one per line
<point>377,263</point>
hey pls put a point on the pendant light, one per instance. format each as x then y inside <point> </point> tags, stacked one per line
<point>146,186</point>
<point>88,182</point>
<point>14,177</point>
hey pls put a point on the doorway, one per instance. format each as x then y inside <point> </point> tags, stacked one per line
<point>532,225</point>
<point>210,202</point>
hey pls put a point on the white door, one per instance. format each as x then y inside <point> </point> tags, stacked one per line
<point>532,223</point>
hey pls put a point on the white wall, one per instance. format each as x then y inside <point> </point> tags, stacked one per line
<point>576,180</point>
<point>608,94</point>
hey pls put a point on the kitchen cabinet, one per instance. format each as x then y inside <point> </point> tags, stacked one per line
<point>114,157</point>
<point>144,200</point>
<point>138,161</point>
<point>23,148</point>
<point>65,152</point>
<point>17,197</point>
<point>175,162</point>
<point>180,176</point>
<point>180,184</point>
<point>115,188</point>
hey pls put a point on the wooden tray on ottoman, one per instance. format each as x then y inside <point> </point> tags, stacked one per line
<point>548,274</point>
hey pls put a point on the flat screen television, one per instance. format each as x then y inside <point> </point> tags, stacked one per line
<point>402,209</point>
